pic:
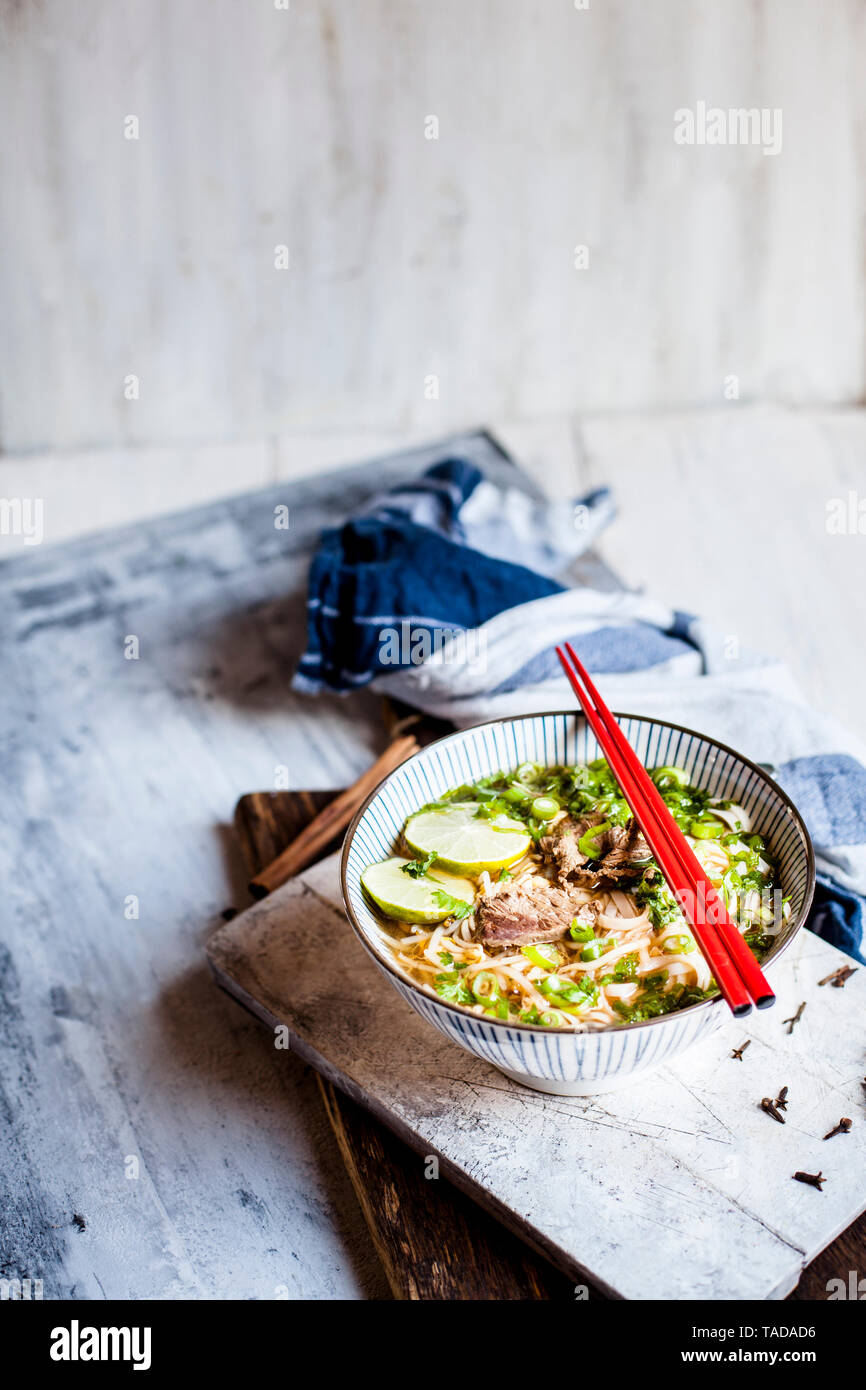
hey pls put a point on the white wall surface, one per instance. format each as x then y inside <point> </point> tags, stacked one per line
<point>262,126</point>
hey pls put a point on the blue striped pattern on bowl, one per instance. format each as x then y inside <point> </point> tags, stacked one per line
<point>554,1060</point>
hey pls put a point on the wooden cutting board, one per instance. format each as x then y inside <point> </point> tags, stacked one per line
<point>433,1241</point>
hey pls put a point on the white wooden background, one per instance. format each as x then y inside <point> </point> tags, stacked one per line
<point>262,126</point>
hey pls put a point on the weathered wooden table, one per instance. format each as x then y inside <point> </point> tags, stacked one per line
<point>153,1143</point>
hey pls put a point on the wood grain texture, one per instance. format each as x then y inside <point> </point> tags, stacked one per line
<point>434,1243</point>
<point>312,841</point>
<point>266,822</point>
<point>656,1190</point>
<point>119,781</point>
<point>846,1253</point>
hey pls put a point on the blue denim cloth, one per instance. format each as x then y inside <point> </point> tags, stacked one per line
<point>830,793</point>
<point>837,916</point>
<point>415,563</point>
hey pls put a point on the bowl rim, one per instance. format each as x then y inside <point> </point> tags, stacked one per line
<point>534,1028</point>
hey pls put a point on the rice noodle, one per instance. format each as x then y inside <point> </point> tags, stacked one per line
<point>425,952</point>
<point>441,958</point>
<point>737,817</point>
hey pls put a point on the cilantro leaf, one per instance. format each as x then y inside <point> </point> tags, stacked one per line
<point>455,907</point>
<point>417,868</point>
<point>449,986</point>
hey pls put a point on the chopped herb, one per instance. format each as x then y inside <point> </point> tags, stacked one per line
<point>451,987</point>
<point>758,942</point>
<point>658,899</point>
<point>417,868</point>
<point>625,970</point>
<point>455,907</point>
<point>655,1003</point>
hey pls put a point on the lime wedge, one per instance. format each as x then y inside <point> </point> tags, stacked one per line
<point>466,844</point>
<point>427,899</point>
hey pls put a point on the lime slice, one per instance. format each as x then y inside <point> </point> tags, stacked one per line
<point>427,899</point>
<point>466,844</point>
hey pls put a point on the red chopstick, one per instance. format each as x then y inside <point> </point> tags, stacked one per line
<point>717,937</point>
<point>747,967</point>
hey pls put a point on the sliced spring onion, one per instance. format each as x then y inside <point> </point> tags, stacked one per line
<point>499,1009</point>
<point>545,807</point>
<point>678,945</point>
<point>549,1019</point>
<point>559,988</point>
<point>593,949</point>
<point>706,827</point>
<point>517,794</point>
<point>527,772</point>
<point>485,987</point>
<point>581,931</point>
<point>588,842</point>
<point>668,776</point>
<point>545,955</point>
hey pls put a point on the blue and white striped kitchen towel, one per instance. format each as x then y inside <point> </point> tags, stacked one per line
<point>444,594</point>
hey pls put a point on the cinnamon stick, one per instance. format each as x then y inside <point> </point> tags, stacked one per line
<point>331,820</point>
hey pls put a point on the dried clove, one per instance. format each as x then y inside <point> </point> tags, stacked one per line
<point>792,1022</point>
<point>782,1099</point>
<point>738,1051</point>
<point>842,1127</point>
<point>770,1108</point>
<point>813,1179</point>
<point>838,977</point>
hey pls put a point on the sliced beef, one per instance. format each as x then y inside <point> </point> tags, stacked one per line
<point>623,857</point>
<point>560,850</point>
<point>531,911</point>
<point>626,852</point>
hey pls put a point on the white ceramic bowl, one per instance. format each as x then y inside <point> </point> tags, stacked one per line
<point>560,1061</point>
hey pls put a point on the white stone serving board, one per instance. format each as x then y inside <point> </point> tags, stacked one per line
<point>679,1187</point>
